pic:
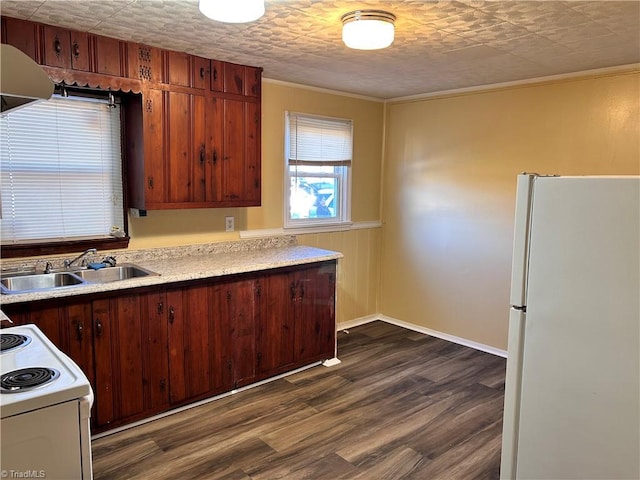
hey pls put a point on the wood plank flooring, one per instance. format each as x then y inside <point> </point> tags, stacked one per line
<point>401,405</point>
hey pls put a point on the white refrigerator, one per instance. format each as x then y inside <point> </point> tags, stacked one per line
<point>572,394</point>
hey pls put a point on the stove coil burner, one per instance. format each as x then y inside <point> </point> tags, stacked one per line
<point>9,341</point>
<point>27,378</point>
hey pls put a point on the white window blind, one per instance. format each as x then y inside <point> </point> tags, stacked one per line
<point>61,171</point>
<point>319,140</point>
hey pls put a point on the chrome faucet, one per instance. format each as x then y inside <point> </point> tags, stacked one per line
<point>68,263</point>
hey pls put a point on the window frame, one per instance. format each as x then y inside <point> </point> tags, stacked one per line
<point>343,185</point>
<point>45,247</point>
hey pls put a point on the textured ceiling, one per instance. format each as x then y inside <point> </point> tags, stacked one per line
<point>439,45</point>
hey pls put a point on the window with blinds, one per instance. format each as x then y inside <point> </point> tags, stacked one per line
<point>61,171</point>
<point>318,152</point>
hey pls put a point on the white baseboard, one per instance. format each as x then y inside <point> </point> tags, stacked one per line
<point>427,331</point>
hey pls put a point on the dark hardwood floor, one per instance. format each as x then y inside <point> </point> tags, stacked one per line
<point>401,405</point>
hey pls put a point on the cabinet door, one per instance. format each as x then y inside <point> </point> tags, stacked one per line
<point>179,68</point>
<point>252,81</point>
<point>22,35</point>
<point>252,139</point>
<point>275,329</point>
<point>233,78</point>
<point>189,347</point>
<point>241,313</point>
<point>201,69</point>
<point>314,298</point>
<point>119,358</point>
<point>153,106</point>
<point>186,155</point>
<point>217,76</point>
<point>108,56</point>
<point>214,130</point>
<point>156,369</point>
<point>233,160</point>
<point>56,47</point>
<point>77,329</point>
<point>80,59</point>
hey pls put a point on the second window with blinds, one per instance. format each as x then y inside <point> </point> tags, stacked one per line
<point>318,152</point>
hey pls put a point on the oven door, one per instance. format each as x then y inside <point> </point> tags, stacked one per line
<point>46,443</point>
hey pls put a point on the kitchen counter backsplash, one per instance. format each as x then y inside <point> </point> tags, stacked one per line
<point>179,264</point>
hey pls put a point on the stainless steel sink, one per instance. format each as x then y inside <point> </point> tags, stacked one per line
<point>38,282</point>
<point>33,282</point>
<point>113,274</point>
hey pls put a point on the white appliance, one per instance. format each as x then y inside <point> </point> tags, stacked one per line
<point>45,405</point>
<point>572,394</point>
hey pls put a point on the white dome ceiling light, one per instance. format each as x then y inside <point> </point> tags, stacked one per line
<point>368,29</point>
<point>232,11</point>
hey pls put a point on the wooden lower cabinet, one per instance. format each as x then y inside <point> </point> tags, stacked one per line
<point>146,351</point>
<point>130,381</point>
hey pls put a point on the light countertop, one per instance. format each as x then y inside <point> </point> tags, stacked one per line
<point>179,264</point>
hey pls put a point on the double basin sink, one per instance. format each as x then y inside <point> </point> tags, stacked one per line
<point>39,282</point>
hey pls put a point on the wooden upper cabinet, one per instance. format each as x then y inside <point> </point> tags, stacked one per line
<point>56,47</point>
<point>21,34</point>
<point>217,76</point>
<point>201,71</point>
<point>179,68</point>
<point>80,57</point>
<point>108,56</point>
<point>144,62</point>
<point>252,81</point>
<point>187,70</point>
<point>234,78</point>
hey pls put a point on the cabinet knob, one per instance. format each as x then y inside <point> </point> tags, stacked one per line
<point>75,50</point>
<point>80,329</point>
<point>172,315</point>
<point>160,308</point>
<point>57,46</point>
<point>98,328</point>
<point>202,72</point>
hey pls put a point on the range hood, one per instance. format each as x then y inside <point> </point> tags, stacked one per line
<point>22,80</point>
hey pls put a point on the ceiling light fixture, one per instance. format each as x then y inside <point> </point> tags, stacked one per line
<point>232,11</point>
<point>368,29</point>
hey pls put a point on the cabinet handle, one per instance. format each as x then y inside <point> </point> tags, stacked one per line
<point>259,358</point>
<point>293,290</point>
<point>75,49</point>
<point>98,328</point>
<point>163,385</point>
<point>172,315</point>
<point>301,291</point>
<point>80,329</point>
<point>160,308</point>
<point>215,73</point>
<point>202,154</point>
<point>150,182</point>
<point>201,72</point>
<point>215,156</point>
<point>57,46</point>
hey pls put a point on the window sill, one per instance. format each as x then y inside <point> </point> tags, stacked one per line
<point>53,248</point>
<point>310,229</point>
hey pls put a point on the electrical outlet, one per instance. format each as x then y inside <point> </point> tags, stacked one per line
<point>229,224</point>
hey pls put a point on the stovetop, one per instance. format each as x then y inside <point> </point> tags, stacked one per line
<point>32,360</point>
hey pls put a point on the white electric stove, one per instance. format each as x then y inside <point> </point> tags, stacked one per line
<point>45,409</point>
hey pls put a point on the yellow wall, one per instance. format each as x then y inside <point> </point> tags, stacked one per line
<point>449,189</point>
<point>358,271</point>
